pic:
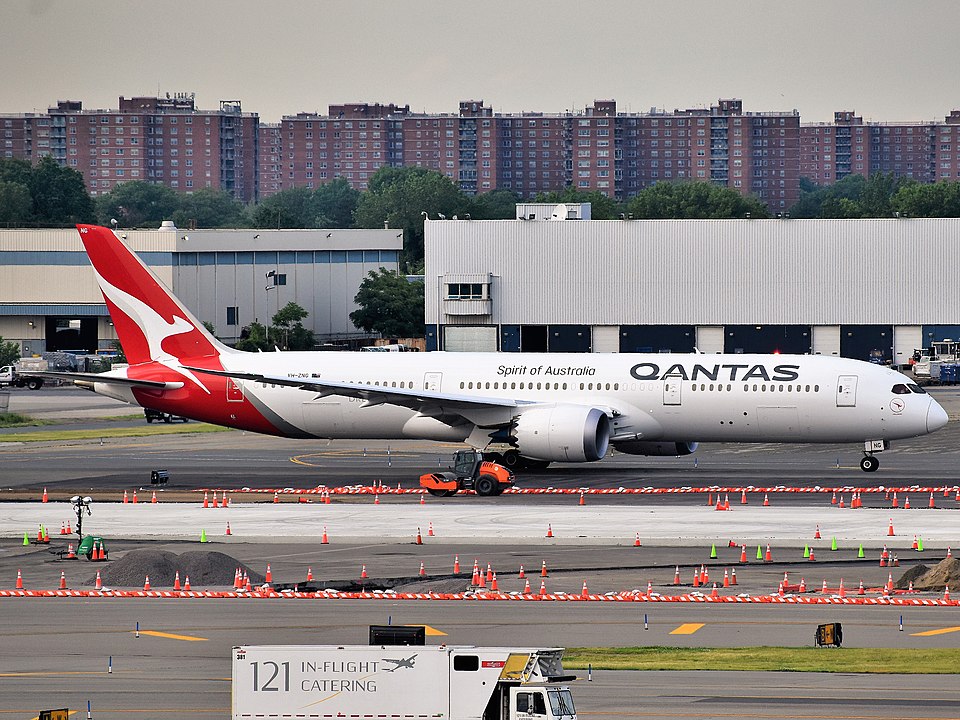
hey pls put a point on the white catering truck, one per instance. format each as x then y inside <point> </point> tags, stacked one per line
<point>395,681</point>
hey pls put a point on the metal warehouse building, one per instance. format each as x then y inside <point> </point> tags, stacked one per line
<point>49,299</point>
<point>856,288</point>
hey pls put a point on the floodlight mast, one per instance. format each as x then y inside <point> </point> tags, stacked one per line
<point>79,505</point>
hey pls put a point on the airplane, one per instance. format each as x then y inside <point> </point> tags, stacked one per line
<point>542,408</point>
<point>403,663</point>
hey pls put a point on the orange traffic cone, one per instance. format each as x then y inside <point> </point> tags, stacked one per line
<point>946,593</point>
<point>890,582</point>
<point>766,500</point>
<point>98,585</point>
<point>714,592</point>
<point>906,503</point>
<point>726,578</point>
<point>743,497</point>
<point>582,502</point>
<point>743,553</point>
<point>637,543</point>
<point>269,575</point>
<point>719,502</point>
<point>543,569</point>
<point>812,556</point>
<point>824,588</point>
<point>19,580</point>
<point>803,586</point>
<point>860,590</point>
<point>419,537</point>
<point>430,529</point>
<point>63,528</point>
<point>543,587</point>
<point>376,498</point>
<point>309,574</point>
<point>186,584</point>
<point>489,572</point>
<point>481,582</point>
<point>71,555</point>
<point>456,564</point>
<point>422,499</point>
<point>247,585</point>
<point>126,498</point>
<point>363,572</point>
<point>146,582</point>
<point>549,531</point>
<point>69,529</point>
<point>932,504</point>
<point>526,587</point>
<point>583,591</point>
<point>726,501</point>
<point>896,503</point>
<point>46,535</point>
<point>733,576</point>
<point>842,591</point>
<point>103,553</point>
<point>767,557</point>
<point>226,499</point>
<point>522,574</point>
<point>949,553</point>
<point>816,535</point>
<point>154,498</point>
<point>216,504</point>
<point>649,588</point>
<point>710,500</point>
<point>696,578</point>
<point>423,571</point>
<point>324,540</point>
<point>841,502</point>
<point>228,529</point>
<point>45,498</point>
<point>676,576</point>
<point>834,500</point>
<point>176,581</point>
<point>915,546</point>
<point>276,497</point>
<point>493,584</point>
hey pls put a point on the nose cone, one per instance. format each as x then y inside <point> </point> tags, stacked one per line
<point>936,416</point>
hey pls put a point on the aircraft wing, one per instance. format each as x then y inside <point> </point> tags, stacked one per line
<point>427,402</point>
<point>104,378</point>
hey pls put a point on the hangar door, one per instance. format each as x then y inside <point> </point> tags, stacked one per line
<point>476,338</point>
<point>906,339</point>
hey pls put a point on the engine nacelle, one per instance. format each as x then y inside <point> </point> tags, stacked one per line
<point>656,448</point>
<point>563,433</point>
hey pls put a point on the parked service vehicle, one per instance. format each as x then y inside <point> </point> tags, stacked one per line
<point>440,682</point>
<point>158,415</point>
<point>18,375</point>
<point>469,472</point>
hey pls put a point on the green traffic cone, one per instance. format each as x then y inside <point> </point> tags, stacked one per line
<point>203,536</point>
<point>713,551</point>
<point>759,553</point>
<point>26,540</point>
<point>806,551</point>
<point>833,543</point>
<point>860,551</point>
<point>919,544</point>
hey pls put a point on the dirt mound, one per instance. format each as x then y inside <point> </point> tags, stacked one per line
<point>205,569</point>
<point>946,573</point>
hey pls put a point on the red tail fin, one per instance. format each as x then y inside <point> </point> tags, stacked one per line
<point>151,323</point>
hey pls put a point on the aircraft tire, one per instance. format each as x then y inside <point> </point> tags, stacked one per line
<point>869,463</point>
<point>486,486</point>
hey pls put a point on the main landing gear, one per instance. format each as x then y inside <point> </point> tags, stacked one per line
<point>870,462</point>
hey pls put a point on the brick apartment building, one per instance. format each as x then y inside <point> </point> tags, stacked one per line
<point>921,151</point>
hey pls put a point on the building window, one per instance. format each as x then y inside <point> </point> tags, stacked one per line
<point>465,291</point>
<point>232,313</point>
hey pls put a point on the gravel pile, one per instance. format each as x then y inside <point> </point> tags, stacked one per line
<point>205,569</point>
<point>946,573</point>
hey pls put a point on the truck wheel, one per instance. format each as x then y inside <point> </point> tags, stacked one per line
<point>486,485</point>
<point>35,384</point>
<point>167,419</point>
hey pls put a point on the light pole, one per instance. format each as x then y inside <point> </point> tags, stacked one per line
<point>79,505</point>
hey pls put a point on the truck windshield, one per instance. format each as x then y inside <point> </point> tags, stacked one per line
<point>561,703</point>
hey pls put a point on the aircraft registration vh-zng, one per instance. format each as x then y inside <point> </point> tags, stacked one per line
<point>540,407</point>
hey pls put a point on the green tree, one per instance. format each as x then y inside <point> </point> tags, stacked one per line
<point>288,331</point>
<point>289,209</point>
<point>400,196</point>
<point>601,206</point>
<point>16,205</point>
<point>253,338</point>
<point>58,194</point>
<point>936,200</point>
<point>9,352</point>
<point>494,205</point>
<point>138,204</point>
<point>209,208</point>
<point>334,203</point>
<point>389,304</point>
<point>693,200</point>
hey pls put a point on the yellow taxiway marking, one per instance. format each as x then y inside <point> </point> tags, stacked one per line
<point>171,636</point>
<point>429,630</point>
<point>941,631</point>
<point>687,629</point>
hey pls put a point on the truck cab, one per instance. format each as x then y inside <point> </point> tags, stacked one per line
<point>540,703</point>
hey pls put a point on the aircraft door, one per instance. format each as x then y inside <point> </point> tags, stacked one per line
<point>847,391</point>
<point>432,380</point>
<point>671,391</point>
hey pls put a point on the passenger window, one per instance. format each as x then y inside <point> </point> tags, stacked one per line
<point>469,386</point>
<point>589,386</point>
<point>711,387</point>
<point>900,389</point>
<point>513,386</point>
<point>729,387</point>
<point>807,388</point>
<point>461,386</point>
<point>466,663</point>
<point>616,386</point>
<point>523,702</point>
<point>608,386</point>
<point>816,388</point>
<point>521,386</point>
<point>581,386</point>
<point>564,386</point>
<point>539,706</point>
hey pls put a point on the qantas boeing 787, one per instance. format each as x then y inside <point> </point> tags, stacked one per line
<point>537,407</point>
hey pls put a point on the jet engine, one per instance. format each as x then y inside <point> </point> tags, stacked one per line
<point>562,433</point>
<point>656,448</point>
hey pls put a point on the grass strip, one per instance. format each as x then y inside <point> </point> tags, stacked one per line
<point>783,659</point>
<point>18,420</point>
<point>149,430</point>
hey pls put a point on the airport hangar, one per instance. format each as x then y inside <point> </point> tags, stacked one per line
<point>550,281</point>
<point>50,301</point>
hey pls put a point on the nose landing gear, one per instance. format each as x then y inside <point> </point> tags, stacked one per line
<point>870,463</point>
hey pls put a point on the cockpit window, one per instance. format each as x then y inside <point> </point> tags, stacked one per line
<point>900,389</point>
<point>917,389</point>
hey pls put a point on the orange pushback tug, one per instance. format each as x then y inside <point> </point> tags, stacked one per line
<point>470,472</point>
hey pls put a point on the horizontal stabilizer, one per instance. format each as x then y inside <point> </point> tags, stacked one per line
<point>111,379</point>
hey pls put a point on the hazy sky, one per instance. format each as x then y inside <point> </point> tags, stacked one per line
<point>886,59</point>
